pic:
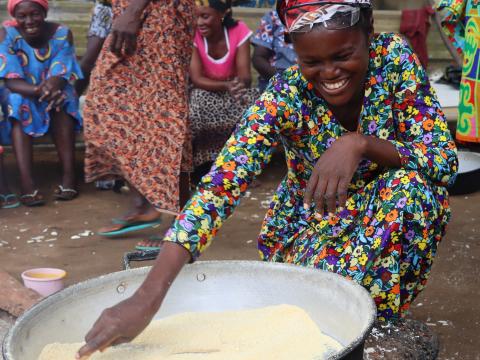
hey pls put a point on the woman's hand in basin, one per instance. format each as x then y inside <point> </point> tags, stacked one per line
<point>126,320</point>
<point>118,324</point>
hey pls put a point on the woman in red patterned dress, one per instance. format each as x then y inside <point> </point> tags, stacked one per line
<point>137,108</point>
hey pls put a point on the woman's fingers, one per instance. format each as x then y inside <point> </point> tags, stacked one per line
<point>56,99</point>
<point>98,343</point>
<point>319,196</point>
<point>310,190</point>
<point>117,43</point>
<point>342,193</point>
<point>102,335</point>
<point>130,44</point>
<point>44,96</point>
<point>331,196</point>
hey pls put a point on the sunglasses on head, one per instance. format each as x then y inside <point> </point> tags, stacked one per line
<point>330,15</point>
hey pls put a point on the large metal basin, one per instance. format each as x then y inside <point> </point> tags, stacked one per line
<point>341,308</point>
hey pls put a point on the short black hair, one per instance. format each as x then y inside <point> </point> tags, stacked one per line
<point>366,20</point>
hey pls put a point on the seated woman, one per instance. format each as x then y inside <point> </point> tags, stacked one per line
<point>369,156</point>
<point>38,66</point>
<point>271,53</point>
<point>220,74</point>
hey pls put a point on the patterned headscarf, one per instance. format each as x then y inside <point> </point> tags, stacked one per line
<point>12,4</point>
<point>296,14</point>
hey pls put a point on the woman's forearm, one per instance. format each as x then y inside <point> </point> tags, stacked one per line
<point>205,83</point>
<point>20,86</point>
<point>170,261</point>
<point>380,151</point>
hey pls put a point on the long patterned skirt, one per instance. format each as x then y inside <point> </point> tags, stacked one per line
<point>136,114</point>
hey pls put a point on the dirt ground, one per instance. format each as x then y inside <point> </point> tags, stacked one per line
<point>63,235</point>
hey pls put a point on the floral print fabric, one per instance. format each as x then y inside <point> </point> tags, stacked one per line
<point>462,25</point>
<point>386,237</point>
<point>18,60</point>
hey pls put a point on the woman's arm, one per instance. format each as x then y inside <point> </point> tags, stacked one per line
<point>202,82</point>
<point>123,322</point>
<point>23,88</point>
<point>244,156</point>
<point>242,64</point>
<point>261,61</point>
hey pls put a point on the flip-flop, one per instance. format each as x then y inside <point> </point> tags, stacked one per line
<point>155,239</point>
<point>65,194</point>
<point>130,227</point>
<point>4,201</point>
<point>33,199</point>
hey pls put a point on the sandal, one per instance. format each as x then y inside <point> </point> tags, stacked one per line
<point>121,226</point>
<point>153,243</point>
<point>33,199</point>
<point>65,194</point>
<point>9,201</point>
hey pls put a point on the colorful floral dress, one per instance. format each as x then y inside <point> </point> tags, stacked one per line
<point>462,25</point>
<point>18,60</point>
<point>387,236</point>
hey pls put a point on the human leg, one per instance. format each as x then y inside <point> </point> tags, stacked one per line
<point>64,138</point>
<point>8,200</point>
<point>22,146</point>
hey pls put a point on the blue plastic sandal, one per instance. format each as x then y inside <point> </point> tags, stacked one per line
<point>128,227</point>
<point>155,239</point>
<point>4,199</point>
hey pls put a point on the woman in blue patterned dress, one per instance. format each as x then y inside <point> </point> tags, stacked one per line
<point>368,154</point>
<point>38,65</point>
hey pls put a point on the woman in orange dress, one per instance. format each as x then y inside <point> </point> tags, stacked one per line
<point>137,108</point>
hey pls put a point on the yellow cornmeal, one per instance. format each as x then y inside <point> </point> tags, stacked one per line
<point>282,332</point>
<point>43,276</point>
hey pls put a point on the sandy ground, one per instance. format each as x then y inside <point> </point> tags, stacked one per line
<point>62,235</point>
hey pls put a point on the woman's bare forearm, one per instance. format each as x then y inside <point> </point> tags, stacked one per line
<point>170,261</point>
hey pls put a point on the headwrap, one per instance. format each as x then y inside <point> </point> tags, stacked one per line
<point>298,14</point>
<point>222,6</point>
<point>12,4</point>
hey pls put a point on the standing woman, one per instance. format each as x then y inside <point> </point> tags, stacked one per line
<point>220,75</point>
<point>38,65</point>
<point>369,156</point>
<point>136,108</point>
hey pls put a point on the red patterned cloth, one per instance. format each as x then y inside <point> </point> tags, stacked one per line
<point>137,107</point>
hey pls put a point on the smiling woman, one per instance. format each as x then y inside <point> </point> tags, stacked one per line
<point>39,68</point>
<point>368,153</point>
